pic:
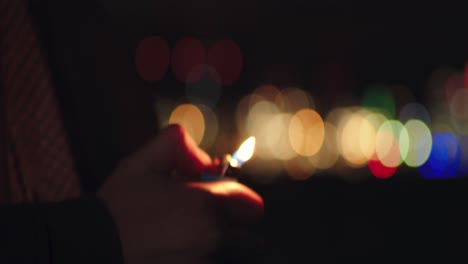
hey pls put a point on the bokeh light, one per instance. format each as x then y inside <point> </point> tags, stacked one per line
<point>306,132</point>
<point>190,117</point>
<point>292,138</point>
<point>454,82</point>
<point>279,143</point>
<point>242,110</point>
<point>442,120</point>
<point>260,114</point>
<point>152,58</point>
<point>294,99</point>
<point>357,137</point>
<point>211,126</point>
<point>420,143</point>
<point>299,168</point>
<point>392,143</point>
<point>463,169</point>
<point>206,91</point>
<point>466,75</point>
<point>379,170</point>
<point>459,104</point>
<point>445,157</point>
<point>225,61</point>
<point>328,154</point>
<point>414,111</point>
<point>268,92</point>
<point>188,60</point>
<point>379,98</point>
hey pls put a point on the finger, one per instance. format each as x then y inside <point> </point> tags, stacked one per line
<point>238,203</point>
<point>174,149</point>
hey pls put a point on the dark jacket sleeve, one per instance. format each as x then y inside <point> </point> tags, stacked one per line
<point>75,231</point>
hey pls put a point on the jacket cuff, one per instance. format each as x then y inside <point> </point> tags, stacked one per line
<point>82,231</point>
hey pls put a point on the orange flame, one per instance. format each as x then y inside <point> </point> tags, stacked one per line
<point>244,153</point>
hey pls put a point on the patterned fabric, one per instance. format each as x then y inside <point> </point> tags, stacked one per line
<point>40,165</point>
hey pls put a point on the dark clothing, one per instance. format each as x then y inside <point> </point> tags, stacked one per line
<point>79,231</point>
<point>107,114</point>
<point>107,108</point>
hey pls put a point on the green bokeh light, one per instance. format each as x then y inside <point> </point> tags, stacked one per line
<point>379,98</point>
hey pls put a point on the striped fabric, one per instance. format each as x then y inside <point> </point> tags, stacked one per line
<point>40,165</point>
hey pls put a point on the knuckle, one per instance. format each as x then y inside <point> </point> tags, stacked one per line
<point>177,131</point>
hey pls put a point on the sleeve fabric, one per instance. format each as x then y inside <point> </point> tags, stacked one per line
<point>74,231</point>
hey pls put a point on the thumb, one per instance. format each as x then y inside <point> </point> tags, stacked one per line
<point>174,149</point>
<point>240,204</point>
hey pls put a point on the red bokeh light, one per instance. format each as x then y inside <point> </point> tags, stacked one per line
<point>225,58</point>
<point>379,170</point>
<point>466,75</point>
<point>188,59</point>
<point>454,82</point>
<point>152,58</point>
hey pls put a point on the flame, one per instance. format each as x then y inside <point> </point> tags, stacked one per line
<point>244,153</point>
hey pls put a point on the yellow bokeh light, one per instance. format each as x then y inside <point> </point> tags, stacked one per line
<point>354,137</point>
<point>299,168</point>
<point>337,115</point>
<point>306,132</point>
<point>268,92</point>
<point>190,117</point>
<point>243,108</point>
<point>294,99</point>
<point>367,134</point>
<point>420,143</point>
<point>278,137</point>
<point>392,143</point>
<point>259,116</point>
<point>376,119</point>
<point>211,126</point>
<point>328,154</point>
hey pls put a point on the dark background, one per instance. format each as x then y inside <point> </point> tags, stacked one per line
<point>347,45</point>
<point>333,49</point>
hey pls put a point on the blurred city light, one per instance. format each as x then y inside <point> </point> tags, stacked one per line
<point>306,132</point>
<point>445,157</point>
<point>420,143</point>
<point>294,138</point>
<point>328,154</point>
<point>379,170</point>
<point>191,118</point>
<point>357,140</point>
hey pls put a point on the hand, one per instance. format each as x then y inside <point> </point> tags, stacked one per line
<point>161,219</point>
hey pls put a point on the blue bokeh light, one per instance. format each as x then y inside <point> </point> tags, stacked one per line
<point>463,169</point>
<point>445,158</point>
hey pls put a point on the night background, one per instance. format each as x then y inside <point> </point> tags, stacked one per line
<point>398,60</point>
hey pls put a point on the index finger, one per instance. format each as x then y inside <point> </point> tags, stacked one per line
<point>174,149</point>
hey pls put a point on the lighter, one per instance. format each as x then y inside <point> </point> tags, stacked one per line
<point>230,165</point>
